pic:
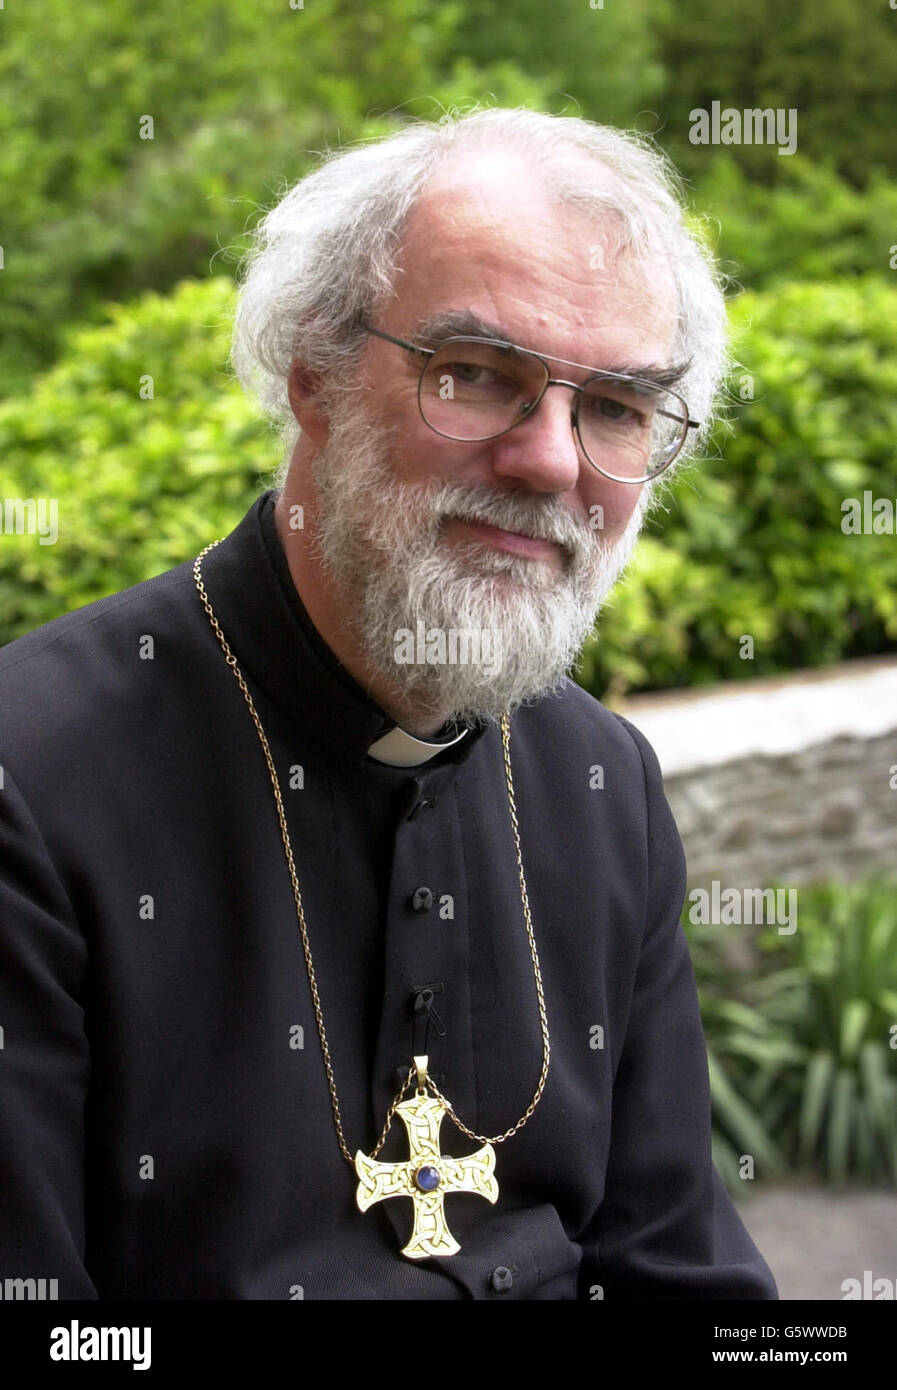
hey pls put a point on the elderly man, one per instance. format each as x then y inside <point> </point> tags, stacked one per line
<point>341,953</point>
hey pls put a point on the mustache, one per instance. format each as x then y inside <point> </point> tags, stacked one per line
<point>546,519</point>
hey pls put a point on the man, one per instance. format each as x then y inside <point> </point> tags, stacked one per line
<point>274,863</point>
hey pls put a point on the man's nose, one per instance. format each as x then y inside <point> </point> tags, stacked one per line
<point>542,450</point>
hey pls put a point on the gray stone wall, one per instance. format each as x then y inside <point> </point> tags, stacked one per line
<point>786,781</point>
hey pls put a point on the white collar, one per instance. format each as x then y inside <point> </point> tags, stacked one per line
<point>401,749</point>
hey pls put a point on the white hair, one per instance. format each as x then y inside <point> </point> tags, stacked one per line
<point>325,258</point>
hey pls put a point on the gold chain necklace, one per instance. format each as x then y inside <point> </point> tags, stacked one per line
<point>428,1176</point>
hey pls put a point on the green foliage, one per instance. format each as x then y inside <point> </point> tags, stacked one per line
<point>832,60</point>
<point>84,75</point>
<point>604,59</point>
<point>813,225</point>
<point>241,97</point>
<point>142,485</point>
<point>801,1045</point>
<point>752,544</point>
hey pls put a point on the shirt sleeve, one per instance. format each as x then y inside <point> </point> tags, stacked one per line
<point>44,1062</point>
<point>667,1228</point>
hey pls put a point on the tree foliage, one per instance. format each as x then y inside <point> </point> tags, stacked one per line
<point>833,61</point>
<point>241,98</point>
<point>813,225</point>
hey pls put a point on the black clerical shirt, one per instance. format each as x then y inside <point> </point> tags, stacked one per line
<point>165,1120</point>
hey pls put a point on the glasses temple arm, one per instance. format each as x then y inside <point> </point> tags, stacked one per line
<point>399,342</point>
<point>691,424</point>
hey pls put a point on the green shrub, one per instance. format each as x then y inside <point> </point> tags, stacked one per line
<point>141,484</point>
<point>831,60</point>
<point>801,1045</point>
<point>241,96</point>
<point>810,225</point>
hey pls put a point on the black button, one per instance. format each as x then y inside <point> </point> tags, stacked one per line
<point>501,1280</point>
<point>422,900</point>
<point>428,801</point>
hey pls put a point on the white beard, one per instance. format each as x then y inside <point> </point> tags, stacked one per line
<point>383,542</point>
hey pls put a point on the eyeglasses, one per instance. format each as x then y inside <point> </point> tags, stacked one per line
<point>474,388</point>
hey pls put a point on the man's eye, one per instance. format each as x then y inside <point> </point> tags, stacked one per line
<point>613,411</point>
<point>465,371</point>
<point>490,382</point>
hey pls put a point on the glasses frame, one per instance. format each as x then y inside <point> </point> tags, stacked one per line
<point>532,406</point>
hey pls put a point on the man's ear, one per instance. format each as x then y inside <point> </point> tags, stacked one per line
<point>302,389</point>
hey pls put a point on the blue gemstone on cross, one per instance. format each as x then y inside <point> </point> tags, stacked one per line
<point>427,1178</point>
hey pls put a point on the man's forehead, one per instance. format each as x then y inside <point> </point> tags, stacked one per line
<point>489,236</point>
<point>497,210</point>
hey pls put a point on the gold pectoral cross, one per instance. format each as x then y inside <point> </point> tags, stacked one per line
<point>427,1176</point>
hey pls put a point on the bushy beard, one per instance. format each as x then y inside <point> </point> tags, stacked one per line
<point>383,541</point>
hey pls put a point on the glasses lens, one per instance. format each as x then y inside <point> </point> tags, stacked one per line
<point>631,431</point>
<point>472,389</point>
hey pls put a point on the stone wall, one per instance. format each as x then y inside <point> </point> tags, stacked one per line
<point>788,780</point>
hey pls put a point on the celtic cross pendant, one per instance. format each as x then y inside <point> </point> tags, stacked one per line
<point>428,1176</point>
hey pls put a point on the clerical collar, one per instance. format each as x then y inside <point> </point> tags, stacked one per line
<point>401,749</point>
<point>278,644</point>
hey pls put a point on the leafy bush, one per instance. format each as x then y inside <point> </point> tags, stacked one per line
<point>598,62</point>
<point>811,225</point>
<point>801,1045</point>
<point>240,96</point>
<point>141,484</point>
<point>832,61</point>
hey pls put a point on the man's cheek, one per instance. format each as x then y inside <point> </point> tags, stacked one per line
<point>605,526</point>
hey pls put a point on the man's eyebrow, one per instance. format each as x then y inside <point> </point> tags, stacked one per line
<point>669,375</point>
<point>433,329</point>
<point>462,323</point>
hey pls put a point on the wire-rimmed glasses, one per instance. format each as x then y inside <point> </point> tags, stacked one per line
<point>476,388</point>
